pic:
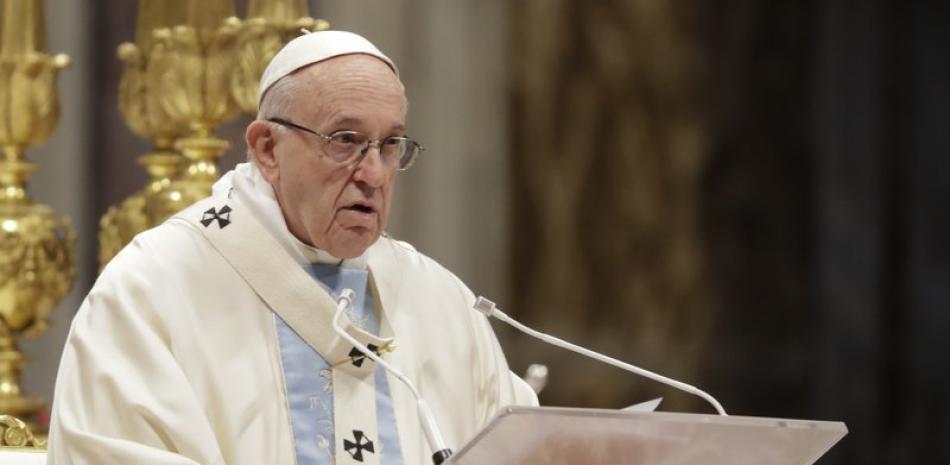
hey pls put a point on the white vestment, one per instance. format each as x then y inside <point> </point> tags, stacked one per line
<point>173,357</point>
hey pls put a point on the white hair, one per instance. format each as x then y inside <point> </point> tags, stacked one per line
<point>279,99</point>
<point>277,102</point>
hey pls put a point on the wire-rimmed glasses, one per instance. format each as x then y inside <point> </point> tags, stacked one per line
<point>349,147</point>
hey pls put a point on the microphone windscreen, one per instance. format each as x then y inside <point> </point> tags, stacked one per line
<point>348,295</point>
<point>484,306</point>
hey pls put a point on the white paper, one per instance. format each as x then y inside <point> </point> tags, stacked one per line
<point>648,406</point>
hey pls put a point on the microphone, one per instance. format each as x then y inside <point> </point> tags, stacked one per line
<point>440,451</point>
<point>489,309</point>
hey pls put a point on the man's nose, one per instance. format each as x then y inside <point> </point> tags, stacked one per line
<point>371,169</point>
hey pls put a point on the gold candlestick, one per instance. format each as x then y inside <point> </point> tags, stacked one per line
<point>206,15</point>
<point>152,15</point>
<point>36,248</point>
<point>278,10</point>
<point>23,29</point>
<point>140,104</point>
<point>190,65</point>
<point>123,221</point>
<point>270,25</point>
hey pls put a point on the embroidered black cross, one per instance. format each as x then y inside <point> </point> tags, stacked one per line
<point>358,357</point>
<point>223,216</point>
<point>355,449</point>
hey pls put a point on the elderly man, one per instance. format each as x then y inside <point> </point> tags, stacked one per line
<point>208,340</point>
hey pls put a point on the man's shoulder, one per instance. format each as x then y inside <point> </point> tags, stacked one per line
<point>170,245</point>
<point>399,246</point>
<point>394,257</point>
<point>402,254</point>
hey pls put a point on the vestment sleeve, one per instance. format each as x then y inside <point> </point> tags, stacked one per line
<point>523,394</point>
<point>506,387</point>
<point>121,397</point>
<point>501,387</point>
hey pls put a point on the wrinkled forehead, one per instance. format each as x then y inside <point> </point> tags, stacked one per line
<point>359,89</point>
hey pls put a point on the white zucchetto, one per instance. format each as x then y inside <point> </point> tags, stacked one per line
<point>315,47</point>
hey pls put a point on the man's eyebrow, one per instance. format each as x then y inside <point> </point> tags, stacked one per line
<point>346,121</point>
<point>353,121</point>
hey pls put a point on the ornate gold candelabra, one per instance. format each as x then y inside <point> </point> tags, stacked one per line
<point>189,66</point>
<point>270,25</point>
<point>209,69</point>
<point>140,105</point>
<point>192,67</point>
<point>36,248</point>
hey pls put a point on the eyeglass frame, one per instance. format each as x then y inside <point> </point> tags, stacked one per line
<point>362,152</point>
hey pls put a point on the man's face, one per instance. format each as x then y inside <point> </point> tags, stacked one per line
<point>339,208</point>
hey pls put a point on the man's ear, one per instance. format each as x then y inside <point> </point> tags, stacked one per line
<point>260,145</point>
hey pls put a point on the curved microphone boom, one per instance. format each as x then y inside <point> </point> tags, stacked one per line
<point>429,426</point>
<point>489,309</point>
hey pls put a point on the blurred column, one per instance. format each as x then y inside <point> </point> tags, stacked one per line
<point>453,204</point>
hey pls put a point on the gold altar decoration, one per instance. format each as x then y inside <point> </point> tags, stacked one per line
<point>36,247</point>
<point>139,103</point>
<point>189,69</point>
<point>205,71</point>
<point>270,25</point>
<point>15,433</point>
<point>193,66</point>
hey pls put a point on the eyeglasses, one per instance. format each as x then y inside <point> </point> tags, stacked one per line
<point>350,147</point>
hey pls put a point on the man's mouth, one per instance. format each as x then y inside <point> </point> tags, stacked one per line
<point>360,207</point>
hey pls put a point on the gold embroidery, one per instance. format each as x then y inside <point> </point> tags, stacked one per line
<point>384,349</point>
<point>323,442</point>
<point>327,377</point>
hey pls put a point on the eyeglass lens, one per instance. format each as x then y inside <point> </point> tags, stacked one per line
<point>394,151</point>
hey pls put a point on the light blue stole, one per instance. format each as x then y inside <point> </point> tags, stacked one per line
<point>309,381</point>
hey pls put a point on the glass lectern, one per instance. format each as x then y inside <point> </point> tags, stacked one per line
<point>571,436</point>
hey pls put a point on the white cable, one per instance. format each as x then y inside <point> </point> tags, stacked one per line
<point>429,426</point>
<point>488,308</point>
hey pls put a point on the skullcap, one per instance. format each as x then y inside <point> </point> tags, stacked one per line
<point>314,47</point>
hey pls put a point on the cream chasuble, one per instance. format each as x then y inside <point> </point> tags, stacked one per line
<point>175,355</point>
<point>307,309</point>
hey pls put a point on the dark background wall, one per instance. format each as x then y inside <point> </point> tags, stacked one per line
<point>882,272</point>
<point>818,198</point>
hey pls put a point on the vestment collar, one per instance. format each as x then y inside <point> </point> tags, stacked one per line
<point>246,181</point>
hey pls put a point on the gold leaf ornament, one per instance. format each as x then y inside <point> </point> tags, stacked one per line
<point>28,102</point>
<point>142,112</point>
<point>15,433</point>
<point>258,40</point>
<point>36,266</point>
<point>191,69</point>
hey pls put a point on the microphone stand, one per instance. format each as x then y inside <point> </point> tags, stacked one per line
<point>433,435</point>
<point>489,309</point>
